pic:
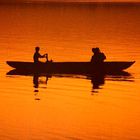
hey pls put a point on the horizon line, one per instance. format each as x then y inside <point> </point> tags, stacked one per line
<point>69,2</point>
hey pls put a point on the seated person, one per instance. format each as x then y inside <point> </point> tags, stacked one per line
<point>37,55</point>
<point>98,56</point>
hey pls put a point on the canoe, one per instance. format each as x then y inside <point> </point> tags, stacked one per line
<point>71,67</point>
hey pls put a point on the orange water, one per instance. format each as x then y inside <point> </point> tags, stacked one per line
<point>69,106</point>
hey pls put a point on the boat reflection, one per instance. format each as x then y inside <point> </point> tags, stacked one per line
<point>97,80</point>
<point>36,81</point>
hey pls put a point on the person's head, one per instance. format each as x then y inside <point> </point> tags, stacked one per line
<point>95,50</point>
<point>37,49</point>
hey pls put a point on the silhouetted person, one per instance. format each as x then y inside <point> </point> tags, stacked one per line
<point>37,55</point>
<point>46,56</point>
<point>98,56</point>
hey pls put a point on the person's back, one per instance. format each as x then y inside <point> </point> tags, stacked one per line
<point>102,57</point>
<point>37,55</point>
<point>98,56</point>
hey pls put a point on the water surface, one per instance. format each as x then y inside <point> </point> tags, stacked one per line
<point>71,107</point>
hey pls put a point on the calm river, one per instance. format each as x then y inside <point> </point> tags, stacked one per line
<point>70,107</point>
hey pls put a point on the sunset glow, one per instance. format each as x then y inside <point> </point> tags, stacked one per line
<point>69,71</point>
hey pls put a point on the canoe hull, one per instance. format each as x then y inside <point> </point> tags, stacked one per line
<point>70,67</point>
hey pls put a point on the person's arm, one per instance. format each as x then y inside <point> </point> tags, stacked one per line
<point>103,56</point>
<point>41,56</point>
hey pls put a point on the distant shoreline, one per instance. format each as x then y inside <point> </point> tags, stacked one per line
<point>59,4</point>
<point>67,3</point>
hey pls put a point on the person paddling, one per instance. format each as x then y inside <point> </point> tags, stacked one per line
<point>98,56</point>
<point>37,55</point>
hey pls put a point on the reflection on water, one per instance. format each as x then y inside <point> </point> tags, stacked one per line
<point>58,102</point>
<point>36,81</point>
<point>97,80</point>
